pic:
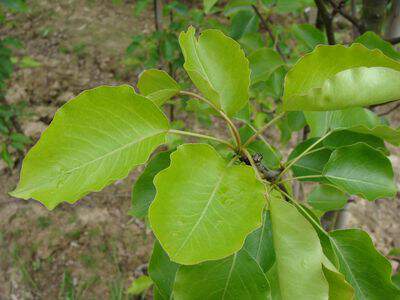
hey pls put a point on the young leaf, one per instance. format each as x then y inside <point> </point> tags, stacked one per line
<point>235,277</point>
<point>310,164</point>
<point>373,41</point>
<point>361,170</point>
<point>158,86</point>
<point>321,122</point>
<point>364,268</point>
<point>298,253</point>
<point>162,271</point>
<point>211,216</point>
<point>263,62</point>
<point>309,35</point>
<point>143,191</point>
<point>93,140</point>
<point>139,285</point>
<point>326,198</point>
<point>338,77</point>
<point>218,67</point>
<point>259,244</point>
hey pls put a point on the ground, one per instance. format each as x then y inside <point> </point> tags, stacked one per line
<point>93,248</point>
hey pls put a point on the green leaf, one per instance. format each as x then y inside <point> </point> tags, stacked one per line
<point>309,35</point>
<point>373,41</point>
<point>259,244</point>
<point>5,155</point>
<point>310,164</point>
<point>338,77</point>
<point>298,253</point>
<point>326,198</point>
<point>162,271</point>
<point>235,277</point>
<point>158,86</point>
<point>218,67</point>
<point>263,62</point>
<point>322,122</point>
<point>139,285</point>
<point>208,5</point>
<point>211,217</point>
<point>93,140</point>
<point>343,138</point>
<point>381,131</point>
<point>339,288</point>
<point>396,280</point>
<point>244,22</point>
<point>143,191</point>
<point>361,170</point>
<point>364,268</point>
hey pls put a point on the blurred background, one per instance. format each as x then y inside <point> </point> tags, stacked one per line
<point>50,51</point>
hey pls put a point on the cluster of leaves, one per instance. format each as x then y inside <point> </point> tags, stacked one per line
<point>226,221</point>
<point>10,139</point>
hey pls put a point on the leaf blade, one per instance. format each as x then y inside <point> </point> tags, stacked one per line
<point>90,135</point>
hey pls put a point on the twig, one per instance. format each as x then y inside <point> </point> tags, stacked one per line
<point>344,14</point>
<point>264,23</point>
<point>389,110</point>
<point>394,41</point>
<point>327,19</point>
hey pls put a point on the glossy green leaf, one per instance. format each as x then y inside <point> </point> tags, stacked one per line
<point>326,198</point>
<point>143,191</point>
<point>343,138</point>
<point>298,253</point>
<point>361,170</point>
<point>310,164</point>
<point>259,244</point>
<point>93,140</point>
<point>339,77</point>
<point>363,266</point>
<point>322,122</point>
<point>373,41</point>
<point>218,67</point>
<point>211,217</point>
<point>162,271</point>
<point>263,62</point>
<point>309,35</point>
<point>157,86</point>
<point>235,277</point>
<point>139,285</point>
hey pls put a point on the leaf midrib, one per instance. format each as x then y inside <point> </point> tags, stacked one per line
<point>203,213</point>
<point>92,161</point>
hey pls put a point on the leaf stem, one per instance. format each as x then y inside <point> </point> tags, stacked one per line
<point>234,130</point>
<point>262,129</point>
<point>304,153</point>
<point>203,136</point>
<point>300,177</point>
